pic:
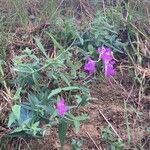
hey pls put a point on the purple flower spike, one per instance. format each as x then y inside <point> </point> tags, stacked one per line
<point>90,66</point>
<point>108,60</point>
<point>109,69</point>
<point>105,54</point>
<point>61,107</point>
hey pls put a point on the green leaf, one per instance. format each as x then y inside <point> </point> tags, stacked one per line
<point>54,92</point>
<point>58,90</point>
<point>35,128</point>
<point>16,111</point>
<point>77,125</point>
<point>17,94</point>
<point>40,46</point>
<point>33,99</point>
<point>81,39</point>
<point>12,119</point>
<point>35,78</point>
<point>70,88</point>
<point>19,129</point>
<point>82,74</point>
<point>1,68</point>
<point>62,130</point>
<point>77,120</point>
<point>54,41</point>
<point>35,125</point>
<point>78,99</point>
<point>91,49</point>
<point>54,114</point>
<point>63,77</point>
<point>24,68</point>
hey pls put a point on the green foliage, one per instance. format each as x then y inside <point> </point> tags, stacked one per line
<point>76,144</point>
<point>40,82</point>
<point>62,130</point>
<point>102,33</point>
<point>67,32</point>
<point>108,136</point>
<point>21,120</point>
<point>1,71</point>
<point>76,120</point>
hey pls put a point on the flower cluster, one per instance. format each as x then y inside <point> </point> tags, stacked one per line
<point>106,55</point>
<point>108,60</point>
<point>90,66</point>
<point>61,107</point>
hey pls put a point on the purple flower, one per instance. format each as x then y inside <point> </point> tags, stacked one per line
<point>108,60</point>
<point>61,107</point>
<point>90,66</point>
<point>109,69</point>
<point>105,54</point>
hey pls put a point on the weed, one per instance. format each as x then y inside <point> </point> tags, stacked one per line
<point>44,92</point>
<point>108,136</point>
<point>76,144</point>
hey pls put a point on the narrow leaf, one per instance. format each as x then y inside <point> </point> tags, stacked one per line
<point>17,94</point>
<point>40,46</point>
<point>11,120</point>
<point>54,92</point>
<point>62,130</point>
<point>54,41</point>
<point>70,88</point>
<point>16,111</point>
<point>63,77</point>
<point>77,126</point>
